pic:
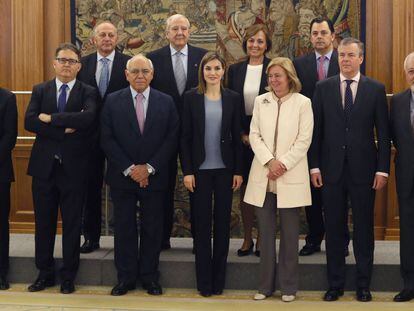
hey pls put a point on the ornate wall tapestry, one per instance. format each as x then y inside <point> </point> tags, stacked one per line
<point>215,25</point>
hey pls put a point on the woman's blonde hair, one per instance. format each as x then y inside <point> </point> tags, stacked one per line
<point>286,64</point>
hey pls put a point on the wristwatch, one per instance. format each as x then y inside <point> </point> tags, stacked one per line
<point>150,169</point>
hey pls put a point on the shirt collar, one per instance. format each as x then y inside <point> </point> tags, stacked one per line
<point>145,93</point>
<point>356,78</point>
<point>184,50</point>
<point>70,84</point>
<point>110,56</point>
<point>327,55</point>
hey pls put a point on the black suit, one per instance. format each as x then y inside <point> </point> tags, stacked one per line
<point>403,139</point>
<point>59,183</point>
<point>92,213</point>
<point>348,157</point>
<point>211,265</point>
<point>8,135</point>
<point>306,69</point>
<point>236,78</point>
<point>124,145</point>
<point>164,81</point>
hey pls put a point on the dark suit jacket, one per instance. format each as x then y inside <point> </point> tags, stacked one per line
<point>236,77</point>
<point>307,71</point>
<point>164,79</point>
<point>333,141</point>
<point>117,81</point>
<point>193,129</point>
<point>8,133</point>
<point>124,145</point>
<point>79,114</point>
<point>403,139</point>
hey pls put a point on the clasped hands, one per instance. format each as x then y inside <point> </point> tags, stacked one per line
<point>276,169</point>
<point>139,173</point>
<point>47,118</point>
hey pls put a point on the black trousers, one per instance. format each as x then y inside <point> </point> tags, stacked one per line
<point>135,259</point>
<point>406,207</point>
<point>48,196</point>
<point>362,202</point>
<point>4,227</point>
<point>169,200</point>
<point>92,213</point>
<point>314,218</point>
<point>211,262</point>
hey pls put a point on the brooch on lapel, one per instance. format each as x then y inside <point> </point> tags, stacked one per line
<point>265,101</point>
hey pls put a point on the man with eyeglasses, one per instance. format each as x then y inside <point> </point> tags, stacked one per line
<point>103,70</point>
<point>139,135</point>
<point>311,68</point>
<point>61,113</point>
<point>8,135</point>
<point>175,71</point>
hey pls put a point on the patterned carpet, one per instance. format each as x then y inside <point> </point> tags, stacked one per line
<point>98,298</point>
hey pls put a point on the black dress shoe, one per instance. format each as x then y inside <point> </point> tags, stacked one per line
<point>245,252</point>
<point>41,284</point>
<point>205,293</point>
<point>333,294</point>
<point>89,246</point>
<point>121,289</point>
<point>309,249</point>
<point>67,287</point>
<point>404,295</point>
<point>363,294</point>
<point>218,292</point>
<point>4,284</point>
<point>153,288</point>
<point>257,253</point>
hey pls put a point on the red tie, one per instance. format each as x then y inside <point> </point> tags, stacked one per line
<point>139,108</point>
<point>321,68</point>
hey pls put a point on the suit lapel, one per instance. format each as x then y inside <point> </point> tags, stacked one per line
<point>226,112</point>
<point>128,105</point>
<point>312,68</point>
<point>333,68</point>
<point>337,95</point>
<point>72,97</point>
<point>51,96</point>
<point>406,113</point>
<point>116,73</point>
<point>192,67</point>
<point>361,92</point>
<point>263,80</point>
<point>91,69</point>
<point>200,112</point>
<point>151,111</point>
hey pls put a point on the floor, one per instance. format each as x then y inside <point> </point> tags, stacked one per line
<point>97,298</point>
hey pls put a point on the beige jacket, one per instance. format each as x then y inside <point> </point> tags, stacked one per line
<point>294,138</point>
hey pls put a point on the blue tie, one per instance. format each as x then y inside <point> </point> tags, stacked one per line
<point>348,100</point>
<point>62,98</point>
<point>104,78</point>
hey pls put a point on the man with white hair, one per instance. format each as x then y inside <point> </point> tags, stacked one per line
<point>402,129</point>
<point>139,129</point>
<point>103,70</point>
<point>176,71</point>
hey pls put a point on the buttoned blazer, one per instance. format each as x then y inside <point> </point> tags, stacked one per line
<point>294,129</point>
<point>192,151</point>
<point>334,140</point>
<point>8,133</point>
<point>236,77</point>
<point>80,112</point>
<point>124,145</point>
<point>403,140</point>
<point>306,69</point>
<point>164,79</point>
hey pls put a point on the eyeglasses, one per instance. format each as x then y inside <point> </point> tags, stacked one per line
<point>69,61</point>
<point>136,72</point>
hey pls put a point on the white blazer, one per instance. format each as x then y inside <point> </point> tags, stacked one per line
<point>294,138</point>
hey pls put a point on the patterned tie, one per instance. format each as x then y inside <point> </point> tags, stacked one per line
<point>104,78</point>
<point>321,68</point>
<point>62,98</point>
<point>139,109</point>
<point>179,73</point>
<point>348,100</point>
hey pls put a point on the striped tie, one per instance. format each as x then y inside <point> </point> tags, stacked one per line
<point>179,73</point>
<point>104,78</point>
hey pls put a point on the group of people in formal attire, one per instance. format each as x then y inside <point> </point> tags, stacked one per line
<point>312,132</point>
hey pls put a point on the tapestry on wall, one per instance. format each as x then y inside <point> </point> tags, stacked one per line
<point>215,25</point>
